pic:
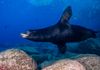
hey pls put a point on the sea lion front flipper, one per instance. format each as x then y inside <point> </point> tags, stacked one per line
<point>66,15</point>
<point>62,48</point>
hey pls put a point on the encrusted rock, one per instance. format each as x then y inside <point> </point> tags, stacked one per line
<point>65,65</point>
<point>14,59</point>
<point>40,52</point>
<point>91,46</point>
<point>91,62</point>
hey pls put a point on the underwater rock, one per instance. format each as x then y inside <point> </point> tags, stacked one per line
<point>90,46</point>
<point>39,52</point>
<point>65,65</point>
<point>14,59</point>
<point>38,48</point>
<point>28,49</point>
<point>90,61</point>
<point>41,58</point>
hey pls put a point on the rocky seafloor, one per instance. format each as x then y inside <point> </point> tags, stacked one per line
<point>79,56</point>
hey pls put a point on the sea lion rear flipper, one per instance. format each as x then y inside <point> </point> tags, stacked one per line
<point>66,15</point>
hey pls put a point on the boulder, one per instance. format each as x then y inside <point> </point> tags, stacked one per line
<point>90,61</point>
<point>14,59</point>
<point>90,46</point>
<point>39,52</point>
<point>64,64</point>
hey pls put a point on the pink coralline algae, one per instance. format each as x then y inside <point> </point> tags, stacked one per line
<point>14,59</point>
<point>65,65</point>
<point>90,61</point>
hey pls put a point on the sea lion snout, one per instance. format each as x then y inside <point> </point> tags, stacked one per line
<point>25,35</point>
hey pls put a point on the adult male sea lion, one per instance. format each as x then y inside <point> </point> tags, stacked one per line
<point>60,33</point>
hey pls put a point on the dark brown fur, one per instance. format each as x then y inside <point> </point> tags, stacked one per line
<point>62,32</point>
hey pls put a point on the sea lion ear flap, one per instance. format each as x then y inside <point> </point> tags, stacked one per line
<point>66,15</point>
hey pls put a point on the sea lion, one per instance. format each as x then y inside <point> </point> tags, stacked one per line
<point>60,33</point>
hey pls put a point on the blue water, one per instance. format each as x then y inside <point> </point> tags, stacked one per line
<point>17,16</point>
